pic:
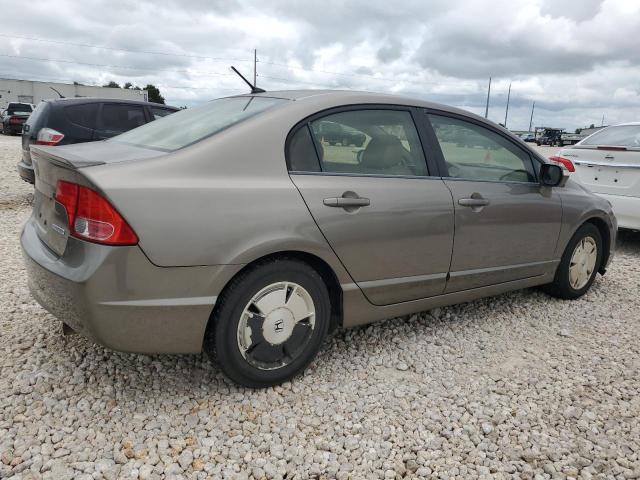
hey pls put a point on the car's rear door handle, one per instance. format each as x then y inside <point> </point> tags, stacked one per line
<point>346,202</point>
<point>473,202</point>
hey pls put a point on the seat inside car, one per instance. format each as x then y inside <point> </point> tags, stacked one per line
<point>386,155</point>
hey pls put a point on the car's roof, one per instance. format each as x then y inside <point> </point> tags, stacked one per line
<point>627,124</point>
<point>79,100</point>
<point>347,96</point>
<point>321,99</point>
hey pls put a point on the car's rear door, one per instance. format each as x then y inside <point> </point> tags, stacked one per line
<point>506,223</point>
<point>388,220</point>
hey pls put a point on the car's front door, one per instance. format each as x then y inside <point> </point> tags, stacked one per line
<point>506,223</point>
<point>388,221</point>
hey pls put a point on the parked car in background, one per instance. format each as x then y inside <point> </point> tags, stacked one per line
<point>64,121</point>
<point>336,134</point>
<point>229,227</point>
<point>14,117</point>
<point>608,163</point>
<point>528,137</point>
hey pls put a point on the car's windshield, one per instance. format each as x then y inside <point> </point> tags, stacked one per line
<point>191,125</point>
<point>620,136</point>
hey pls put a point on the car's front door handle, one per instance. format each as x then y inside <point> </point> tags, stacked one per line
<point>473,202</point>
<point>346,202</point>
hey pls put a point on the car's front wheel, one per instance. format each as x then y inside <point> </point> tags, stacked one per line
<point>269,323</point>
<point>579,264</point>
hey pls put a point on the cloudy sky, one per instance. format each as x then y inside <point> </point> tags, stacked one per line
<point>577,59</point>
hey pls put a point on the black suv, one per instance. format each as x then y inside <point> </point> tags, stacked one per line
<point>64,121</point>
<point>14,117</point>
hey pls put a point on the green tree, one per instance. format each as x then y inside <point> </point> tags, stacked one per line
<point>127,85</point>
<point>112,84</point>
<point>154,94</point>
<point>578,130</point>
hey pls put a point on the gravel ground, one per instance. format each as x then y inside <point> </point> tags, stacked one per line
<point>515,386</point>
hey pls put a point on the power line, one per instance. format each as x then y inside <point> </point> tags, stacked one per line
<point>102,47</point>
<point>126,67</point>
<point>89,84</point>
<point>185,55</point>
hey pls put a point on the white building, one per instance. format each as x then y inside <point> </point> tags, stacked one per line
<point>29,91</point>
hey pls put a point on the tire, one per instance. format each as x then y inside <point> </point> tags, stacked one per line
<point>562,287</point>
<point>259,364</point>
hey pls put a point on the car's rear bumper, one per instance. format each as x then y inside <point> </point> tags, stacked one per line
<point>118,298</point>
<point>26,172</point>
<point>626,210</point>
<point>12,129</point>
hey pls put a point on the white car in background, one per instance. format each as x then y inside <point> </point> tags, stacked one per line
<point>608,163</point>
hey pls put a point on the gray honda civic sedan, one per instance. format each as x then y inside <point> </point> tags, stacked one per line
<point>237,228</point>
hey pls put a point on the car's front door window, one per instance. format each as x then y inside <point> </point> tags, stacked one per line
<point>472,152</point>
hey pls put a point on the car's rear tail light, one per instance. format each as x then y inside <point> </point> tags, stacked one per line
<point>565,162</point>
<point>91,217</point>
<point>15,120</point>
<point>48,136</point>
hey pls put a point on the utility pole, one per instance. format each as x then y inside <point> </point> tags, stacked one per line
<point>506,113</point>
<point>255,66</point>
<point>533,107</point>
<point>602,122</point>
<point>486,109</point>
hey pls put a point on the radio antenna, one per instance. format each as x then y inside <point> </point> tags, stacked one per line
<point>61,96</point>
<point>254,89</point>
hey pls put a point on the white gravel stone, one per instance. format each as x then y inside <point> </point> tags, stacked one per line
<point>495,389</point>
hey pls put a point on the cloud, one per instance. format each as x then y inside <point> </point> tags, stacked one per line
<point>577,59</point>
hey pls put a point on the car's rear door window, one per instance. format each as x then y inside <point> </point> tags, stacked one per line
<point>84,115</point>
<point>121,118</point>
<point>301,154</point>
<point>369,142</point>
<point>473,152</point>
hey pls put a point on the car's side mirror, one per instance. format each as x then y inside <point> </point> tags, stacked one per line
<point>552,175</point>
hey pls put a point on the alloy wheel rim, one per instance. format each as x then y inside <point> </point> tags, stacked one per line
<point>583,263</point>
<point>276,325</point>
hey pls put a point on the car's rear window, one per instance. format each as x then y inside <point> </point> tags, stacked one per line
<point>191,125</point>
<point>621,136</point>
<point>14,108</point>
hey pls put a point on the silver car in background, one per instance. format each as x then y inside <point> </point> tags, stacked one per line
<point>608,163</point>
<point>234,227</point>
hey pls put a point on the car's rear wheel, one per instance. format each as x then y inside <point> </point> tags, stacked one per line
<point>579,264</point>
<point>269,323</point>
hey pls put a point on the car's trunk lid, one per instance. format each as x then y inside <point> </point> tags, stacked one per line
<point>52,164</point>
<point>606,170</point>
